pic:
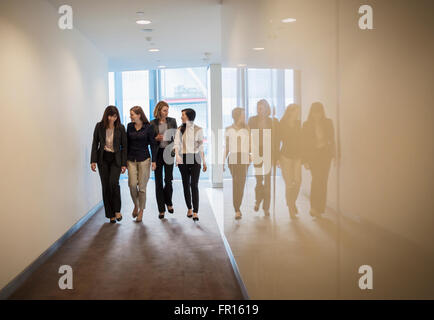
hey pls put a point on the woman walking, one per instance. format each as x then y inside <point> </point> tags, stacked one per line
<point>140,137</point>
<point>189,156</point>
<point>265,153</point>
<point>109,153</point>
<point>319,150</point>
<point>164,133</point>
<point>237,152</point>
<point>289,134</point>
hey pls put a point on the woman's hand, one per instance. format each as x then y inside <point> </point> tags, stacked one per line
<point>159,137</point>
<point>178,159</point>
<point>123,169</point>
<point>154,166</point>
<point>204,167</point>
<point>93,166</point>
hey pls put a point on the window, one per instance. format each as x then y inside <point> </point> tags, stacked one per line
<point>186,88</point>
<point>135,92</point>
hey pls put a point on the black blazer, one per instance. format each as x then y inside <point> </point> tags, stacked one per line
<point>120,144</point>
<point>273,125</point>
<point>171,124</point>
<point>309,139</point>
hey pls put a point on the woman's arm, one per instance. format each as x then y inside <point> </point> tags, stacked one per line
<point>177,146</point>
<point>202,153</point>
<point>95,145</point>
<point>124,148</point>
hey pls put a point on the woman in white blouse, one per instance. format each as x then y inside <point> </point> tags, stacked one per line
<point>189,156</point>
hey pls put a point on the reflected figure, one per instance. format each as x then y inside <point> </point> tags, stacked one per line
<point>237,149</point>
<point>263,123</point>
<point>318,151</point>
<point>289,133</point>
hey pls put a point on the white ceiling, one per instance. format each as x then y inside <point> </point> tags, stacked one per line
<point>182,30</point>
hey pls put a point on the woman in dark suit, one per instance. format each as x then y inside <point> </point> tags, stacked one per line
<point>318,151</point>
<point>109,153</point>
<point>164,133</point>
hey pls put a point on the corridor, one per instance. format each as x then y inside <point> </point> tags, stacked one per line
<point>173,258</point>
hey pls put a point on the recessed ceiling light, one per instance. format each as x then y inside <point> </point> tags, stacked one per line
<point>288,20</point>
<point>258,48</point>
<point>154,50</point>
<point>143,21</point>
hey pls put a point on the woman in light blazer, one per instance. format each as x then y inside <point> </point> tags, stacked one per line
<point>109,154</point>
<point>189,157</point>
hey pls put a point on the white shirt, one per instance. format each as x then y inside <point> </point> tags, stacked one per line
<point>191,141</point>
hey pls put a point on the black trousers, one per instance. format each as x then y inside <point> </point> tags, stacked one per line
<point>319,168</point>
<point>109,173</point>
<point>190,172</point>
<point>239,174</point>
<point>263,189</point>
<point>163,192</point>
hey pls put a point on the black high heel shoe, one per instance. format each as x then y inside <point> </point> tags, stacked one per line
<point>195,218</point>
<point>120,218</point>
<point>161,215</point>
<point>112,221</point>
<point>170,210</point>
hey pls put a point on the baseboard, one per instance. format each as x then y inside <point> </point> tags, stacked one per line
<point>15,283</point>
<point>228,248</point>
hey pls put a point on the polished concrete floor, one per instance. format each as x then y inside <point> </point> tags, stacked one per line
<point>309,258</point>
<point>173,258</point>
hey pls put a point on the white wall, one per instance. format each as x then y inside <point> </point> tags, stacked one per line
<point>53,88</point>
<point>386,116</point>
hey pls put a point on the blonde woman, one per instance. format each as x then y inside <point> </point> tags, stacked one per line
<point>164,133</point>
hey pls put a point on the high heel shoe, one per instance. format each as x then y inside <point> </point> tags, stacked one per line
<point>189,215</point>
<point>112,220</point>
<point>119,218</point>
<point>195,218</point>
<point>139,217</point>
<point>161,215</point>
<point>170,210</point>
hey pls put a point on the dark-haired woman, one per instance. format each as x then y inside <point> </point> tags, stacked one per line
<point>140,137</point>
<point>237,152</point>
<point>189,156</point>
<point>109,153</point>
<point>164,133</point>
<point>319,150</point>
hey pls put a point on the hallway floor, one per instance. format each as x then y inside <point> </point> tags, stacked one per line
<point>173,258</point>
<point>309,258</point>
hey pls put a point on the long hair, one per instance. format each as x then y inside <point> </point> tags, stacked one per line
<point>138,110</point>
<point>290,110</point>
<point>316,107</point>
<point>191,115</point>
<point>111,111</point>
<point>266,105</point>
<point>158,108</point>
<point>236,114</point>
